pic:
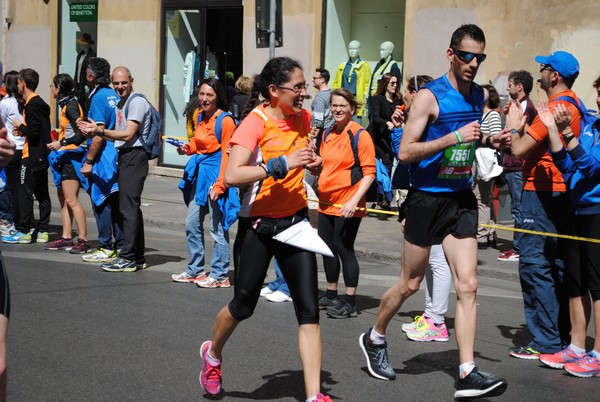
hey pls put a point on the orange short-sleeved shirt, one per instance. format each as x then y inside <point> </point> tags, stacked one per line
<point>338,158</point>
<point>539,171</point>
<point>269,138</point>
<point>205,141</point>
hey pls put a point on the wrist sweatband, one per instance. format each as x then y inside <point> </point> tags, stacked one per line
<point>278,167</point>
<point>457,134</point>
<point>568,139</point>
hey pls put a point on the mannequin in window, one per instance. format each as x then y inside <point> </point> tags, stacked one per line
<point>212,64</point>
<point>84,53</point>
<point>354,75</point>
<point>386,64</point>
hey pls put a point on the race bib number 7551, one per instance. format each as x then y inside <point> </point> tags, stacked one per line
<point>458,162</point>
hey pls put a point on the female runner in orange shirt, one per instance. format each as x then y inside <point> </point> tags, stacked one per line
<point>269,153</point>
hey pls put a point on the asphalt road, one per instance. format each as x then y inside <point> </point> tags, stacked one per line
<point>79,334</point>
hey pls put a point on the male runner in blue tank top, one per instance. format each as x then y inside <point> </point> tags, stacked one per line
<point>439,143</point>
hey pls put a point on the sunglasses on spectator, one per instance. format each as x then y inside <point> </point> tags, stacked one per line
<point>546,67</point>
<point>467,57</point>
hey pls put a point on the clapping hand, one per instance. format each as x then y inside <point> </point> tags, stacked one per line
<point>515,120</point>
<point>88,128</point>
<point>562,116</point>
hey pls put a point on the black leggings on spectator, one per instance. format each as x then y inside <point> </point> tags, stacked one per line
<point>252,253</point>
<point>340,233</point>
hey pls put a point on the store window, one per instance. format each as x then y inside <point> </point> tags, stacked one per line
<point>376,30</point>
<point>201,39</point>
<point>78,40</point>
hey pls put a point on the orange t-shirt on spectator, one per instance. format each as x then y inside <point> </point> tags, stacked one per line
<point>539,171</point>
<point>338,158</point>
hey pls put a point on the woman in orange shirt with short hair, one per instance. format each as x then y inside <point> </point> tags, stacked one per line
<point>348,172</point>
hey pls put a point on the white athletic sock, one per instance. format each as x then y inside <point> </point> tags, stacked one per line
<point>376,338</point>
<point>465,369</point>
<point>578,351</point>
<point>312,398</point>
<point>211,360</point>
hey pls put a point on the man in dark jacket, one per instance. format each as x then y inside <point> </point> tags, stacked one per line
<point>35,127</point>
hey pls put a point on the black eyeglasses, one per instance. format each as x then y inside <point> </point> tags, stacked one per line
<point>467,57</point>
<point>297,89</point>
<point>546,67</point>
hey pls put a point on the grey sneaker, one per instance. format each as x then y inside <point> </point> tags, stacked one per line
<point>342,310</point>
<point>479,384</point>
<point>325,303</point>
<point>99,255</point>
<point>377,358</point>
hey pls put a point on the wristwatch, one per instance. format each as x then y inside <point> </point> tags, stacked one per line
<point>101,132</point>
<point>89,161</point>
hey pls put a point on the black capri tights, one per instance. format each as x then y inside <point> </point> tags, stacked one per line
<point>340,233</point>
<point>582,260</point>
<point>252,253</point>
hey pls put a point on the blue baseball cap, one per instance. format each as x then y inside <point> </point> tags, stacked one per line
<point>562,62</point>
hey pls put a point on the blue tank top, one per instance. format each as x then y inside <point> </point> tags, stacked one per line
<point>450,169</point>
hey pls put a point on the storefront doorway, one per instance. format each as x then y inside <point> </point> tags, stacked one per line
<point>201,39</point>
<point>77,41</point>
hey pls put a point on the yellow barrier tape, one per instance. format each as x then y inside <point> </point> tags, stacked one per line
<point>510,229</point>
<point>376,211</point>
<point>164,137</point>
<point>561,236</point>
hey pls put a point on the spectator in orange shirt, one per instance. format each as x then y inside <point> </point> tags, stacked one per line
<point>348,172</point>
<point>545,207</point>
<point>207,166</point>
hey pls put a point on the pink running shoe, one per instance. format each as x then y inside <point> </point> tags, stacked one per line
<point>587,366</point>
<point>428,333</point>
<point>323,398</point>
<point>210,376</point>
<point>559,359</point>
<point>417,324</point>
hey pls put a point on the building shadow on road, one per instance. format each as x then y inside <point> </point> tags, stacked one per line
<point>280,385</point>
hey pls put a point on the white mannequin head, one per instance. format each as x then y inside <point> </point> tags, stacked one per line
<point>353,49</point>
<point>386,49</point>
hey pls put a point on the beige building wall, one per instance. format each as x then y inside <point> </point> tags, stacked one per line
<point>301,36</point>
<point>30,40</point>
<point>129,35</point>
<point>516,31</point>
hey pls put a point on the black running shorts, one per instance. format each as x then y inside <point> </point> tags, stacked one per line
<point>430,217</point>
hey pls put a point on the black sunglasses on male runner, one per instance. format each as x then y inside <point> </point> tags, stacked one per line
<point>468,56</point>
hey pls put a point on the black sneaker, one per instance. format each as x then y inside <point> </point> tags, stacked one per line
<point>524,352</point>
<point>120,265</point>
<point>325,303</point>
<point>479,384</point>
<point>377,358</point>
<point>342,310</point>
